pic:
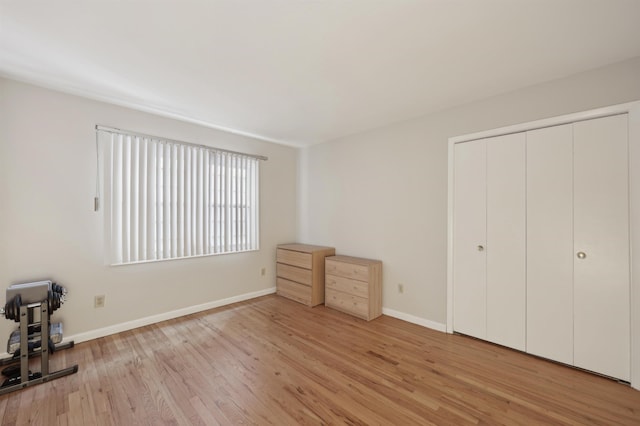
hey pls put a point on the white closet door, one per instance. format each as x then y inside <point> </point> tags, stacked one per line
<point>469,239</point>
<point>506,244</point>
<point>550,243</point>
<point>601,228</point>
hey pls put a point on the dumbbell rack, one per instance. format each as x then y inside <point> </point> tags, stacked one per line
<point>27,313</point>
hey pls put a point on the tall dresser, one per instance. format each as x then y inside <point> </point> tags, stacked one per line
<point>354,286</point>
<point>300,272</point>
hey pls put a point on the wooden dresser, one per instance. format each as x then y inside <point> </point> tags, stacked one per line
<point>300,272</point>
<point>354,285</point>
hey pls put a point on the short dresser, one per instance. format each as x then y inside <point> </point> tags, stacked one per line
<point>300,272</point>
<point>354,286</point>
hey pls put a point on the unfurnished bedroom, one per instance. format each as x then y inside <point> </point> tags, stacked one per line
<point>310,212</point>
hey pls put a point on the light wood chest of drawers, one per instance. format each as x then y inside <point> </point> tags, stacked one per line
<point>354,285</point>
<point>300,272</point>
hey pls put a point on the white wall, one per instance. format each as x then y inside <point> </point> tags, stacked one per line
<point>383,194</point>
<point>48,228</point>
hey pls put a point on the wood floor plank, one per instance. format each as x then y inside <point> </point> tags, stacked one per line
<point>273,361</point>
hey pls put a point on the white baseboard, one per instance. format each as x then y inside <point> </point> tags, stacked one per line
<point>130,325</point>
<point>415,320</point>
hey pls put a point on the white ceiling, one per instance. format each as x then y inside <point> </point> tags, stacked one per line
<point>301,72</point>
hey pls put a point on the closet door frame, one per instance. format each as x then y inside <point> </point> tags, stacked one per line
<point>633,111</point>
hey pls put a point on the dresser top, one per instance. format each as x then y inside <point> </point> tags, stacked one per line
<point>305,248</point>
<point>354,260</point>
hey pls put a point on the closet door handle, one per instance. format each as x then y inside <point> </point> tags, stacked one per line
<point>581,255</point>
<point>480,248</point>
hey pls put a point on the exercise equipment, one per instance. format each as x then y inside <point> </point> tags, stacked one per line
<point>31,305</point>
<point>55,296</point>
<point>55,337</point>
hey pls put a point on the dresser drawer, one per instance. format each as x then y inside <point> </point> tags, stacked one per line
<point>347,303</point>
<point>347,285</point>
<point>294,258</point>
<point>293,273</point>
<point>291,290</point>
<point>348,270</point>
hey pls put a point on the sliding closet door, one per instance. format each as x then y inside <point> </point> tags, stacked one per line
<point>550,243</point>
<point>469,235</point>
<point>505,249</point>
<point>601,248</point>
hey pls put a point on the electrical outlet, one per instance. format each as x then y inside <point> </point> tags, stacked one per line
<point>263,271</point>
<point>98,301</point>
<point>400,288</point>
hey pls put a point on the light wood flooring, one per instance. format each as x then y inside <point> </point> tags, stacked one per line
<point>273,361</point>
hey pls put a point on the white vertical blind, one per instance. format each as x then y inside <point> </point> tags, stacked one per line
<point>168,200</point>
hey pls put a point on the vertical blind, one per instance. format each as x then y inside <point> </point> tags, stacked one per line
<point>168,199</point>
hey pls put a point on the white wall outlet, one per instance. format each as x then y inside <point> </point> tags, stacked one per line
<point>98,301</point>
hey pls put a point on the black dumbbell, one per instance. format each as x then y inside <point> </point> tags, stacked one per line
<point>12,308</point>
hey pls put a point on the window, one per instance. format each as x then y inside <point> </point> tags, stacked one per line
<point>167,199</point>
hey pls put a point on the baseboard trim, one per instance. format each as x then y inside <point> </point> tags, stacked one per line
<point>415,320</point>
<point>130,325</point>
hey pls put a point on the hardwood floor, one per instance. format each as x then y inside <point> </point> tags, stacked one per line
<point>273,361</point>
